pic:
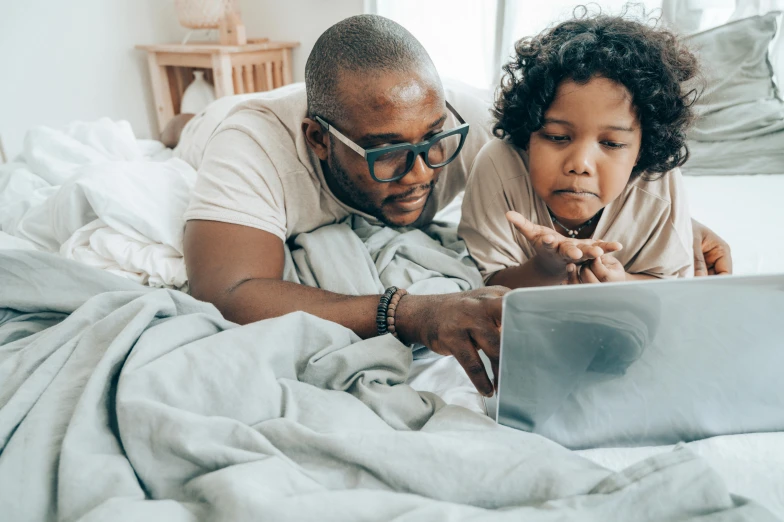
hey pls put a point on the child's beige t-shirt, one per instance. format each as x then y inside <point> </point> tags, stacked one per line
<point>650,218</point>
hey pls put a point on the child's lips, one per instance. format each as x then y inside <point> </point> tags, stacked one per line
<point>576,194</point>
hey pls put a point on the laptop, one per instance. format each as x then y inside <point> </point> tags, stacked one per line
<point>644,363</point>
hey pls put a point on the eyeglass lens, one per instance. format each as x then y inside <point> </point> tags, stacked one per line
<point>398,162</point>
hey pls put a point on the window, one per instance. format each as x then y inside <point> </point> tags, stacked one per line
<point>469,40</point>
<point>459,35</point>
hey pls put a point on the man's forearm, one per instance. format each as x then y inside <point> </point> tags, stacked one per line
<point>258,299</point>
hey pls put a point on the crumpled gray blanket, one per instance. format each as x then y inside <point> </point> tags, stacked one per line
<point>121,402</point>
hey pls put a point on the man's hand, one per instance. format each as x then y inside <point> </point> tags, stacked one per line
<point>712,254</point>
<point>604,269</point>
<point>555,252</point>
<point>457,324</point>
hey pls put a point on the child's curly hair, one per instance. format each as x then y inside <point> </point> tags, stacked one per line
<point>651,63</point>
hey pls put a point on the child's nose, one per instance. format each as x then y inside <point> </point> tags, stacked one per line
<point>580,160</point>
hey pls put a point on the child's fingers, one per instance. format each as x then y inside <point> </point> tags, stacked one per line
<point>612,246</point>
<point>548,242</point>
<point>571,271</point>
<point>611,262</point>
<point>529,231</point>
<point>587,277</point>
<point>570,251</point>
<point>592,252</point>
<point>600,270</point>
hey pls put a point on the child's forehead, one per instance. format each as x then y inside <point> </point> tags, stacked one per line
<point>596,98</point>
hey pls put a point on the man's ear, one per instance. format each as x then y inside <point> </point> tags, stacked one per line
<point>316,137</point>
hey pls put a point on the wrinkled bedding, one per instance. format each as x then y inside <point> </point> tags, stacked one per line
<point>147,404</point>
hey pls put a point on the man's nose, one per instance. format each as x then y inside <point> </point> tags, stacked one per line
<point>419,174</point>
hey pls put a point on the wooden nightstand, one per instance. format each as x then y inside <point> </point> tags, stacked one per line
<point>259,65</point>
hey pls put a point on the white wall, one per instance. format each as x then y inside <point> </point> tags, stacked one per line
<point>63,61</point>
<point>66,60</point>
<point>298,20</point>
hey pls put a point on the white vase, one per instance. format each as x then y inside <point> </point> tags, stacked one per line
<point>197,96</point>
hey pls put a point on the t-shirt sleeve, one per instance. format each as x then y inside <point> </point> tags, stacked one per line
<point>490,238</point>
<point>669,251</point>
<point>237,183</point>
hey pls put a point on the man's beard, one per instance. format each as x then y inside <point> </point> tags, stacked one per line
<point>361,200</point>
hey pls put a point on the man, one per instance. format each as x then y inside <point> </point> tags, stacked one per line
<point>293,161</point>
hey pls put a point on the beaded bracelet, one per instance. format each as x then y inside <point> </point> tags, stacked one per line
<point>381,311</point>
<point>396,297</point>
<point>385,314</point>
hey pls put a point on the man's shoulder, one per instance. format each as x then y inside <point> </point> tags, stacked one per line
<point>273,124</point>
<point>274,114</point>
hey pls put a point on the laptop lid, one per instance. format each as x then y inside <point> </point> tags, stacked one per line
<point>637,364</point>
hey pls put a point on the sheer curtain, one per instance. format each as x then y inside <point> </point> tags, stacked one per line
<point>459,35</point>
<point>469,40</point>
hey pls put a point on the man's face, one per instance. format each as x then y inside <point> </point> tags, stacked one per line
<point>387,108</point>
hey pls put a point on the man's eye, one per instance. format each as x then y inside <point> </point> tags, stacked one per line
<point>613,144</point>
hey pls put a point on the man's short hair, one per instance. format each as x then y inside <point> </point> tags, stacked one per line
<point>362,43</point>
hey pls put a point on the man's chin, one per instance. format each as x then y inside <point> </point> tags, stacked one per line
<point>401,219</point>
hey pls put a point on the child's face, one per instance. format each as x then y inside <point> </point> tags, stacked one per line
<point>583,156</point>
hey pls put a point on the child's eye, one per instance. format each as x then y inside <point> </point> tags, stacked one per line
<point>556,138</point>
<point>613,144</point>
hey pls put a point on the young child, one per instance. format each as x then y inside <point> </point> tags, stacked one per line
<point>592,118</point>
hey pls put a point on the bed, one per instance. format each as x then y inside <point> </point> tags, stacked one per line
<point>92,210</point>
<point>123,398</point>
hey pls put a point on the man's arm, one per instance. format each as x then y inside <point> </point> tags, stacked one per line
<point>239,270</point>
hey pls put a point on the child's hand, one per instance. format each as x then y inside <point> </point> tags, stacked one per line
<point>554,251</point>
<point>604,269</point>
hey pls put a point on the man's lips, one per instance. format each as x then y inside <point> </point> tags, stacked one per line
<point>411,202</point>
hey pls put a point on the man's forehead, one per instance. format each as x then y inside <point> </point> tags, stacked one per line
<point>382,100</point>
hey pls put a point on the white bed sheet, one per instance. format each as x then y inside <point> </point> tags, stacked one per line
<point>751,465</point>
<point>747,211</point>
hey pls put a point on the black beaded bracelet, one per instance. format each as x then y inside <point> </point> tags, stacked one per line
<point>383,308</point>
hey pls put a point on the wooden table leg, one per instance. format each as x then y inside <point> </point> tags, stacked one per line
<point>160,91</point>
<point>287,76</point>
<point>222,76</point>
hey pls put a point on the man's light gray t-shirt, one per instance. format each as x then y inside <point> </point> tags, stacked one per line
<point>257,170</point>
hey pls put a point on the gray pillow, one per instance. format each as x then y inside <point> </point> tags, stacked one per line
<point>741,99</point>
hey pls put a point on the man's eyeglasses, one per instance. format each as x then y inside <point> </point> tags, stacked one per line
<point>391,163</point>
